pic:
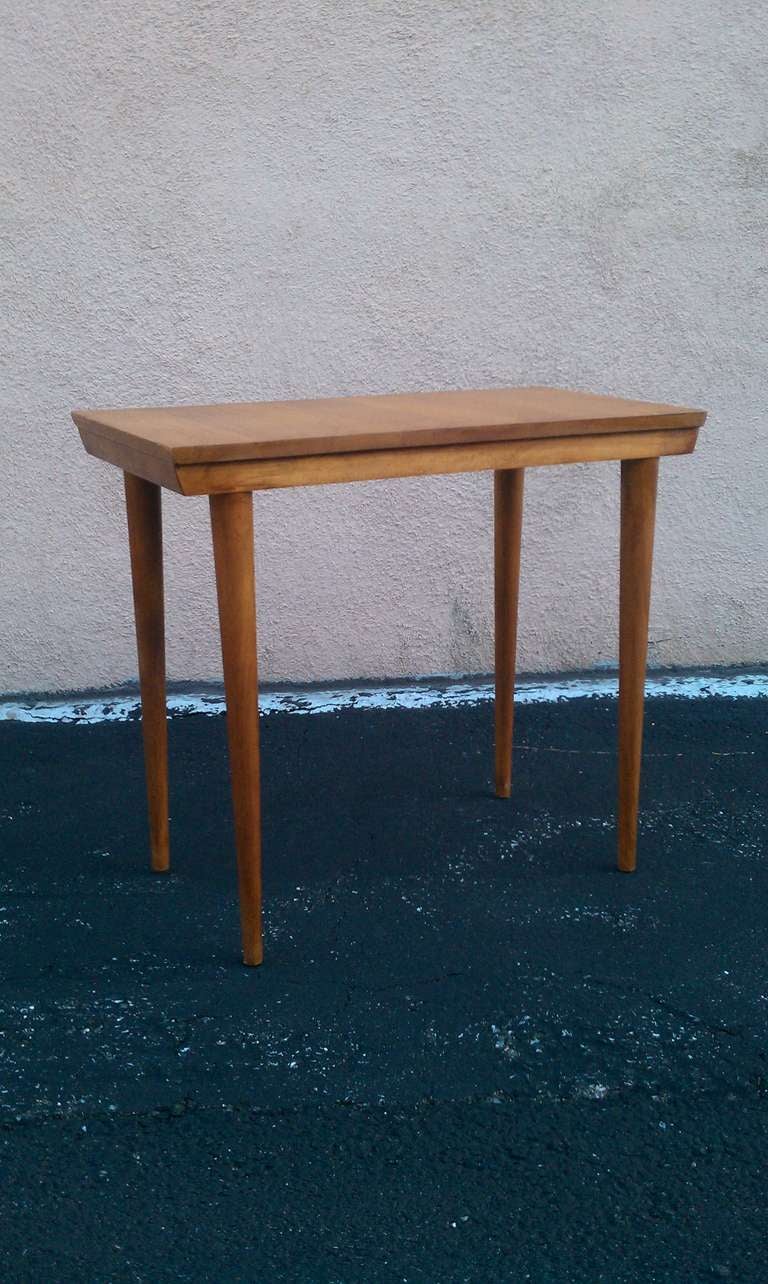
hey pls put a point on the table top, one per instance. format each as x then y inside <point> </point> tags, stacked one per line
<point>185,435</point>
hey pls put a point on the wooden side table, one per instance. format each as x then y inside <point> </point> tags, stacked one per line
<point>228,451</point>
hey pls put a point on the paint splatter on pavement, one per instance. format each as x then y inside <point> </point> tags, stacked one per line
<point>475,1050</point>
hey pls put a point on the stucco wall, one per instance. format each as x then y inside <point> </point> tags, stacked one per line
<point>243,200</point>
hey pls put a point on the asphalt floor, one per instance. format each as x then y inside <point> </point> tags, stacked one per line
<point>474,1052</point>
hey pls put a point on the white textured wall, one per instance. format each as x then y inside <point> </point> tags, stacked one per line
<point>243,200</point>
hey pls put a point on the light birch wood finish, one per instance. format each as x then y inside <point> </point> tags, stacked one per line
<point>226,452</point>
<point>145,541</point>
<point>507,530</point>
<point>638,515</point>
<point>232,527</point>
<point>182,435</point>
<point>418,461</point>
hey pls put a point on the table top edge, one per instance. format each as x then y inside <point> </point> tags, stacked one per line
<point>116,426</point>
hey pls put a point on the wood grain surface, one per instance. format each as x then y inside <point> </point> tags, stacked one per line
<point>174,436</point>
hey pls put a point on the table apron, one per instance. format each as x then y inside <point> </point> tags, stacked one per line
<point>415,461</point>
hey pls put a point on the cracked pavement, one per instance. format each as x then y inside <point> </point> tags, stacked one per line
<point>475,1051</point>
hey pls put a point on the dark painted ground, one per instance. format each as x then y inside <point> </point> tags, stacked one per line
<point>475,1052</point>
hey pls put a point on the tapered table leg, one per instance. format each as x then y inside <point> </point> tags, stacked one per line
<point>638,512</point>
<point>508,524</point>
<point>232,527</point>
<point>145,537</point>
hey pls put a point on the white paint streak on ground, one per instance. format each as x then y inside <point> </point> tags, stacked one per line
<point>417,696</point>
